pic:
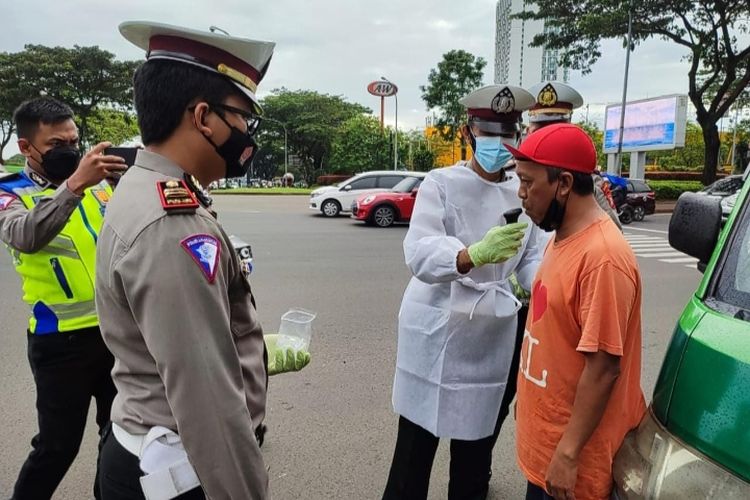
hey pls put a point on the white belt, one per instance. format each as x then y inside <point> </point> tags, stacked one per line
<point>163,459</point>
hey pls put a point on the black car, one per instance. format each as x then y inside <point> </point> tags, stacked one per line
<point>641,197</point>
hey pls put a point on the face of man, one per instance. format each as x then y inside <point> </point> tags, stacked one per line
<point>535,190</point>
<point>48,136</point>
<point>216,124</point>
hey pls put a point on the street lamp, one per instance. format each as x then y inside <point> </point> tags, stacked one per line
<point>625,88</point>
<point>395,140</point>
<point>286,155</point>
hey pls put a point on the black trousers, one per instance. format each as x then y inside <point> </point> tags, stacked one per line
<point>120,474</point>
<point>471,461</point>
<point>69,369</point>
<point>534,492</point>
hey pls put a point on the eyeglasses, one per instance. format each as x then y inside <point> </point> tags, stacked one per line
<point>251,119</point>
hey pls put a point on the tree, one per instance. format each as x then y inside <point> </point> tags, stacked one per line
<point>359,145</point>
<point>597,136</point>
<point>117,127</point>
<point>311,119</point>
<point>85,78</point>
<point>713,32</point>
<point>423,159</point>
<point>456,75</point>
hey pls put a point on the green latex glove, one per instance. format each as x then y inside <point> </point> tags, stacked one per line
<point>498,245</point>
<point>520,293</point>
<point>282,362</point>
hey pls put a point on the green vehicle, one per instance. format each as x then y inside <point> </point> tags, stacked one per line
<point>694,442</point>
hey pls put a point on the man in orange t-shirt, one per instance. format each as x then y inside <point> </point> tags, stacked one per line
<point>579,388</point>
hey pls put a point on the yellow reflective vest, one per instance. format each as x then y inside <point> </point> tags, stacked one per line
<point>58,280</point>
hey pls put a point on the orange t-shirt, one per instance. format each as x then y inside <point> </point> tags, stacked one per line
<point>586,297</point>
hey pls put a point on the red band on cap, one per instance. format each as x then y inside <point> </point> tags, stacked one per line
<point>491,116</point>
<point>203,53</point>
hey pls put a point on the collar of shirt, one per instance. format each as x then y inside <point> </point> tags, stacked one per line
<point>36,177</point>
<point>158,163</point>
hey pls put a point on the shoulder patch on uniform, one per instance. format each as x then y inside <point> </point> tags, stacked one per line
<point>205,250</point>
<point>5,200</point>
<point>176,197</point>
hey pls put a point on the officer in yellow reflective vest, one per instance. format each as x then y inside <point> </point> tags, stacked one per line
<point>50,217</point>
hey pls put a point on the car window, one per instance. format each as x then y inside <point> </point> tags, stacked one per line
<point>406,185</point>
<point>641,187</point>
<point>364,183</point>
<point>389,181</point>
<point>733,284</point>
<point>631,188</point>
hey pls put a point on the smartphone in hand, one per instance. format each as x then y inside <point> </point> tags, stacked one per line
<point>127,154</point>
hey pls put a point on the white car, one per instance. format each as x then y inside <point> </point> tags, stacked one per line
<point>333,200</point>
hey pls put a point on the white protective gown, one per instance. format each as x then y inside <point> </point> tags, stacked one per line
<point>456,333</point>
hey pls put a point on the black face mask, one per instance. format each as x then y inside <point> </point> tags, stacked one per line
<point>60,162</point>
<point>238,151</point>
<point>553,219</point>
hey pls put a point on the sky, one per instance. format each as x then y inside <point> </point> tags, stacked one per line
<point>339,46</point>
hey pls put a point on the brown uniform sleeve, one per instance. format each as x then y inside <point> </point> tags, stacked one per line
<point>185,322</point>
<point>29,231</point>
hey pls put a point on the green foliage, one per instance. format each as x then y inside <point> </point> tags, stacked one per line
<point>312,120</point>
<point>85,78</point>
<point>713,33</point>
<point>111,125</point>
<point>18,159</point>
<point>671,190</point>
<point>597,136</point>
<point>423,159</point>
<point>456,75</point>
<point>360,145</point>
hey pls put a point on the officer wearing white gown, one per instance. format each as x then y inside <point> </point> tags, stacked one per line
<point>457,325</point>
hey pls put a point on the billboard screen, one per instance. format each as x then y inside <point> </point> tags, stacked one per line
<point>650,124</point>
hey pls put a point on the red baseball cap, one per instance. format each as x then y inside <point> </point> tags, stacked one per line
<point>561,145</point>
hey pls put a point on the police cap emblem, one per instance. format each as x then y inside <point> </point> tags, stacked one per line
<point>504,102</point>
<point>547,96</point>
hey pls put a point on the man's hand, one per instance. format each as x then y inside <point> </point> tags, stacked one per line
<point>562,474</point>
<point>284,360</point>
<point>95,167</point>
<point>498,245</point>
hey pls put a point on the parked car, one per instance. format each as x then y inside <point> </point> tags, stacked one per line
<point>694,440</point>
<point>727,186</point>
<point>641,197</point>
<point>727,190</point>
<point>333,200</point>
<point>383,209</point>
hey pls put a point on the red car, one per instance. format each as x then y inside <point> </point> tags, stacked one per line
<point>383,209</point>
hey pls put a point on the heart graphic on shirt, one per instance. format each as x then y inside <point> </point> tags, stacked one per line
<point>539,301</point>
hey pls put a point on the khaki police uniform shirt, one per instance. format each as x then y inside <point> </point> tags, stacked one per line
<point>29,231</point>
<point>189,351</point>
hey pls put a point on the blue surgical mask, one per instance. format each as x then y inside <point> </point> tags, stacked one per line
<point>491,153</point>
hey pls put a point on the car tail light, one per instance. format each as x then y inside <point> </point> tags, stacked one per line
<point>651,194</point>
<point>653,464</point>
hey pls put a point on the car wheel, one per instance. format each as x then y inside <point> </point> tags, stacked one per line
<point>330,208</point>
<point>639,213</point>
<point>626,216</point>
<point>383,216</point>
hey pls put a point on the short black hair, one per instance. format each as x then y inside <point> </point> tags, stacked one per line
<point>583,184</point>
<point>163,90</point>
<point>31,113</point>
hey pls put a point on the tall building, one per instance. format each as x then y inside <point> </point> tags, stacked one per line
<point>516,62</point>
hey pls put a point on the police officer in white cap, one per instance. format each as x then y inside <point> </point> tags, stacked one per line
<point>455,368</point>
<point>175,306</point>
<point>555,103</point>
